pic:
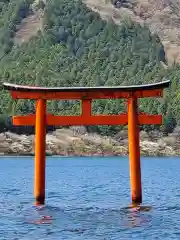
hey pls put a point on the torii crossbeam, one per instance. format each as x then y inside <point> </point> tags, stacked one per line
<point>86,95</point>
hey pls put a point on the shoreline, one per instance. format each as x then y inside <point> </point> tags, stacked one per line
<point>15,157</point>
<point>76,142</point>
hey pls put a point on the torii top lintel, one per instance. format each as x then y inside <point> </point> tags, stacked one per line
<point>104,92</point>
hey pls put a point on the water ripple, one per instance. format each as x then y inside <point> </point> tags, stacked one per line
<point>88,200</point>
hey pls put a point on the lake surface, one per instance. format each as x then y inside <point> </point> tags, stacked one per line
<point>87,197</point>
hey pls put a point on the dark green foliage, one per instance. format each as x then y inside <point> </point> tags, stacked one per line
<point>3,123</point>
<point>169,122</point>
<point>77,48</point>
<point>11,14</point>
<point>41,4</point>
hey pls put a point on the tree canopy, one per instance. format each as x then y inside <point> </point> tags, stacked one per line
<point>78,48</point>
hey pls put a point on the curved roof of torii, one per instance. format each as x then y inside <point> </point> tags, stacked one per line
<point>132,88</point>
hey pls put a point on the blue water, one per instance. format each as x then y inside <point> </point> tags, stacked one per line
<point>87,197</point>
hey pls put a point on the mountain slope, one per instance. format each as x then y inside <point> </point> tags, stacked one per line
<point>161,16</point>
<point>31,24</point>
<point>77,48</point>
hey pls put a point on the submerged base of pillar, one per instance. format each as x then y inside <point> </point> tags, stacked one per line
<point>137,208</point>
<point>39,200</point>
<point>137,200</point>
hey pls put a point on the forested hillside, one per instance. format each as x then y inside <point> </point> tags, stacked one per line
<point>161,16</point>
<point>11,14</point>
<point>78,48</point>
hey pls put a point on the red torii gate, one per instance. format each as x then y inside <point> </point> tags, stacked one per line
<point>86,95</point>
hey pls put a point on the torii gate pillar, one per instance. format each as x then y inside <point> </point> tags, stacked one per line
<point>40,152</point>
<point>86,95</point>
<point>134,151</point>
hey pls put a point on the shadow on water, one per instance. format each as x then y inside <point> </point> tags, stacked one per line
<point>136,215</point>
<point>81,219</point>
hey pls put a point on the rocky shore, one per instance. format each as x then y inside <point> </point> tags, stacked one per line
<point>77,142</point>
